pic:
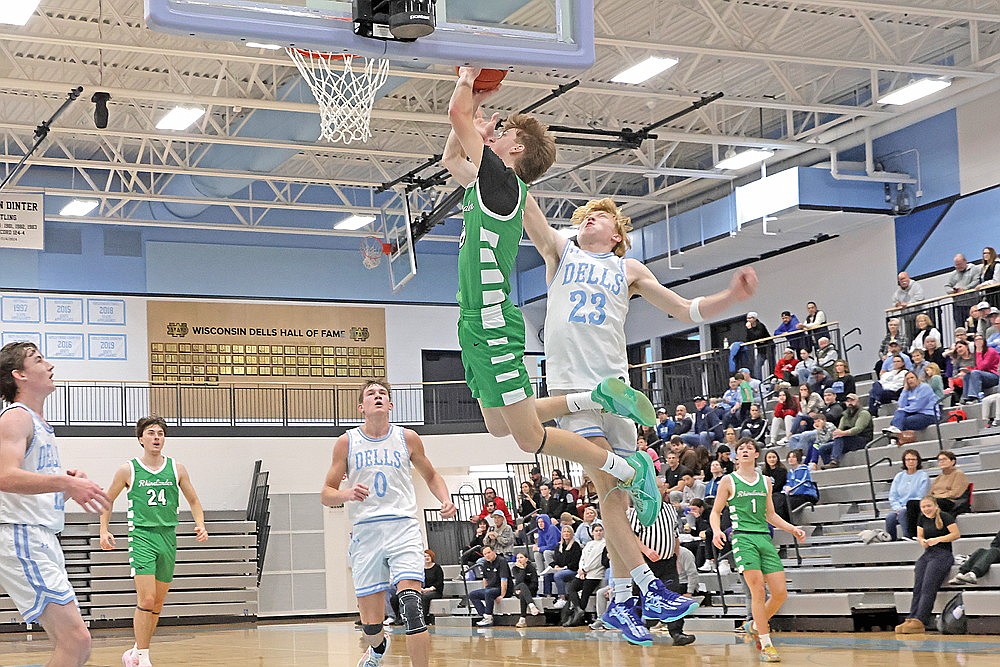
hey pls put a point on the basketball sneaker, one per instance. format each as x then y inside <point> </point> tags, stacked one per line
<point>661,604</point>
<point>625,616</point>
<point>373,659</point>
<point>642,487</point>
<point>130,658</point>
<point>617,397</point>
<point>750,634</point>
<point>769,654</point>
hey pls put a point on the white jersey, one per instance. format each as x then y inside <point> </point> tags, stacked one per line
<point>585,320</point>
<point>383,465</point>
<point>42,456</point>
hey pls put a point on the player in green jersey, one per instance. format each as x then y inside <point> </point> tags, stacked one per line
<point>154,483</point>
<point>748,494</point>
<point>494,169</point>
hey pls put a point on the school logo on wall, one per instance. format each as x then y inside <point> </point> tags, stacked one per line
<point>359,334</point>
<point>177,329</point>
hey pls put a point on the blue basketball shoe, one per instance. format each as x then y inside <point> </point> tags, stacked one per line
<point>625,616</point>
<point>660,604</point>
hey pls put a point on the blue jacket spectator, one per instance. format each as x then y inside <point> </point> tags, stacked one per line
<point>705,426</point>
<point>908,487</point>
<point>548,537</point>
<point>887,364</point>
<point>664,425</point>
<point>799,488</point>
<point>917,406</point>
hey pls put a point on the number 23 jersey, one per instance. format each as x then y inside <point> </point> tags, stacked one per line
<point>153,495</point>
<point>383,465</point>
<point>585,320</point>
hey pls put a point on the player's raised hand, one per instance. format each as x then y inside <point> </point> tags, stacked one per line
<point>448,509</point>
<point>107,541</point>
<point>744,283</point>
<point>799,534</point>
<point>358,492</point>
<point>486,128</point>
<point>89,495</point>
<point>719,539</point>
<point>468,74</point>
<point>200,533</point>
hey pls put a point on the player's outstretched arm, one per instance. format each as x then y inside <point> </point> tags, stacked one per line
<point>118,484</point>
<point>418,457</point>
<point>642,282</point>
<point>777,521</point>
<point>722,497</point>
<point>197,511</point>
<point>548,241</point>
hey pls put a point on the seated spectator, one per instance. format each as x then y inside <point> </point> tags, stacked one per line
<point>907,291</point>
<point>700,463</point>
<point>546,541</point>
<point>586,493</point>
<point>854,432</point>
<point>843,381</point>
<point>561,493</point>
<point>754,426</point>
<point>933,374</point>
<point>979,319</point>
<point>809,402</point>
<point>993,331</point>
<point>584,532</point>
<point>991,411</point>
<point>925,329</point>
<point>712,482</point>
<point>474,550</point>
<point>674,473</point>
<point>664,427</point>
<point>705,427</point>
<point>749,386</point>
<point>687,572</point>
<point>490,494</point>
<point>776,470</point>
<point>731,403</point>
<point>933,353</point>
<point>589,576</point>
<point>799,488</point>
<point>565,563</point>
<point>918,407</point>
<point>892,334</point>
<point>964,277</point>
<point>500,536</point>
<point>826,355</point>
<point>536,478</point>
<point>784,368</point>
<point>723,455</point>
<point>988,274</point>
<point>832,408</point>
<point>693,488</point>
<point>908,487</point>
<point>961,362</point>
<point>936,530</point>
<point>804,369</point>
<point>496,578</point>
<point>984,373</point>
<point>950,485</point>
<point>919,366</point>
<point>819,380</point>
<point>894,352</point>
<point>549,504</point>
<point>730,438</point>
<point>978,564</point>
<point>809,441</point>
<point>790,328</point>
<point>525,580</point>
<point>687,456</point>
<point>785,411</point>
<point>888,387</point>
<point>683,422</point>
<point>528,500</point>
<point>699,528</point>
<point>641,445</point>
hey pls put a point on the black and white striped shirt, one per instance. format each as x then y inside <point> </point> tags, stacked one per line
<point>662,536</point>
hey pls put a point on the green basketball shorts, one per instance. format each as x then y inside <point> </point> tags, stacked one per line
<point>492,342</point>
<point>153,551</point>
<point>755,551</point>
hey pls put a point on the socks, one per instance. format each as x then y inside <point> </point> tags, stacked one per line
<point>581,401</point>
<point>643,577</point>
<point>618,467</point>
<point>143,654</point>
<point>380,649</point>
<point>622,589</point>
<point>765,640</point>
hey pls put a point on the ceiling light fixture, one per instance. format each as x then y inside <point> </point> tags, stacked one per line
<point>180,118</point>
<point>79,207</point>
<point>355,222</point>
<point>17,12</point>
<point>914,91</point>
<point>645,70</point>
<point>734,160</point>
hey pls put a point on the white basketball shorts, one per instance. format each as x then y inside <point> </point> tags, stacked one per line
<point>383,553</point>
<point>618,431</point>
<point>32,569</point>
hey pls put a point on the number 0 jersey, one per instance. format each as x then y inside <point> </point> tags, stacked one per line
<point>42,456</point>
<point>153,495</point>
<point>585,320</point>
<point>383,465</point>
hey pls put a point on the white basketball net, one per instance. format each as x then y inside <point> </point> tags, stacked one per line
<point>345,95</point>
<point>371,252</point>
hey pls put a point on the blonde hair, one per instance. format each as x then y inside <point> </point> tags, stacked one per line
<point>539,146</point>
<point>938,523</point>
<point>623,223</point>
<point>932,369</point>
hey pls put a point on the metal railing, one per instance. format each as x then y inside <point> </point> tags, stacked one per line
<point>945,312</point>
<point>870,465</point>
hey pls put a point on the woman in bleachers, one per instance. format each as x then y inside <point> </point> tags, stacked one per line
<point>892,334</point>
<point>809,401</point>
<point>799,489</point>
<point>960,362</point>
<point>785,411</point>
<point>919,364</point>
<point>908,487</point>
<point>984,373</point>
<point>474,550</point>
<point>917,408</point>
<point>951,484</point>
<point>593,563</point>
<point>525,579</point>
<point>888,387</point>
<point>546,541</point>
<point>988,274</point>
<point>843,381</point>
<point>712,482</point>
<point>773,467</point>
<point>925,329</point>
<point>934,380</point>
<point>565,563</point>
<point>936,530</point>
<point>528,499</point>
<point>754,426</point>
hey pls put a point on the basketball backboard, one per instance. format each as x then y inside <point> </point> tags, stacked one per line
<point>553,34</point>
<point>398,234</point>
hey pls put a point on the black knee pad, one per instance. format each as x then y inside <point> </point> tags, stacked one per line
<point>371,629</point>
<point>411,605</point>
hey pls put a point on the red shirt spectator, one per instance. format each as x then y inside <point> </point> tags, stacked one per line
<point>785,364</point>
<point>781,410</point>
<point>490,494</point>
<point>988,361</point>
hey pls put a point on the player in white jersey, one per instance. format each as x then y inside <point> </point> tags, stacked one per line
<point>33,486</point>
<point>376,461</point>
<point>590,283</point>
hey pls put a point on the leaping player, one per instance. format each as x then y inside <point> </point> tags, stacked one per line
<point>590,284</point>
<point>748,494</point>
<point>386,549</point>
<point>495,171</point>
<point>153,482</point>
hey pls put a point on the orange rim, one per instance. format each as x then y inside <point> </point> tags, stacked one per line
<point>325,56</point>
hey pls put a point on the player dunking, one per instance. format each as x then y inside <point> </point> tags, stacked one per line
<point>590,284</point>
<point>33,487</point>
<point>153,482</point>
<point>748,494</point>
<point>490,327</point>
<point>386,549</point>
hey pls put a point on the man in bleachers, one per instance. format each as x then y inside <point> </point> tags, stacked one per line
<point>705,426</point>
<point>752,355</point>
<point>496,579</point>
<point>819,381</point>
<point>664,427</point>
<point>993,331</point>
<point>549,504</point>
<point>980,316</point>
<point>724,456</point>
<point>490,494</point>
<point>826,355</point>
<point>562,495</point>
<point>536,478</point>
<point>964,277</point>
<point>896,350</point>
<point>674,473</point>
<point>688,457</point>
<point>907,291</point>
<point>855,431</point>
<point>789,328</point>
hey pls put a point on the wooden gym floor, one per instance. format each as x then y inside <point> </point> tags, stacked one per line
<point>338,644</point>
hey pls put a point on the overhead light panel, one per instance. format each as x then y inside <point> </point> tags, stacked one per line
<point>17,12</point>
<point>355,222</point>
<point>645,70</point>
<point>914,91</point>
<point>269,47</point>
<point>79,207</point>
<point>744,159</point>
<point>180,118</point>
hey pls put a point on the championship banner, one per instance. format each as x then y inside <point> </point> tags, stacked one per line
<point>22,220</point>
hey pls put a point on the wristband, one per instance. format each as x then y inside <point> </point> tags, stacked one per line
<point>694,311</point>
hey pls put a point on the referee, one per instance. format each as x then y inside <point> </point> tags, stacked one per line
<point>659,544</point>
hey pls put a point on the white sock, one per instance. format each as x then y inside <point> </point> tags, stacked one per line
<point>622,589</point>
<point>618,467</point>
<point>581,401</point>
<point>643,577</point>
<point>143,657</point>
<point>765,640</point>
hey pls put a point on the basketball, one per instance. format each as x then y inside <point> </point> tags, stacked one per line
<point>488,79</point>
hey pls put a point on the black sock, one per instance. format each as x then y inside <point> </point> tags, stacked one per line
<point>380,649</point>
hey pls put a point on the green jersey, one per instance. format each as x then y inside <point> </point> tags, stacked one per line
<point>748,506</point>
<point>487,250</point>
<point>153,496</point>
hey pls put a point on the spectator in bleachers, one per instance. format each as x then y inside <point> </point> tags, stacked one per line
<point>809,441</point>
<point>524,576</point>
<point>641,445</point>
<point>789,328</point>
<point>892,334</point>
<point>565,563</point>
<point>888,387</point>
<point>773,467</point>
<point>964,277</point>
<point>951,485</point>
<point>932,372</point>
<point>895,352</point>
<point>664,426</point>
<point>843,382</point>
<point>693,488</point>
<point>546,541</point>
<point>979,319</point>
<point>500,536</point>
<point>853,433</point>
<point>674,473</point>
<point>589,575</point>
<point>687,457</point>
<point>978,564</point>
<point>687,571</point>
<point>528,501</point>
<point>586,494</point>
<point>814,317</point>
<point>991,411</point>
<point>701,463</point>
<point>961,362</point>
<point>988,271</point>
<point>907,291</point>
<point>917,408</point>
<point>784,368</point>
<point>809,402</point>
<point>832,408</point>
<point>563,499</point>
<point>474,550</point>
<point>496,579</point>
<point>730,438</point>
<point>723,454</point>
<point>683,422</point>
<point>699,528</point>
<point>535,474</point>
<point>908,487</point>
<point>712,481</point>
<point>705,426</point>
<point>584,532</point>
<point>490,495</point>
<point>754,426</point>
<point>785,411</point>
<point>547,504</point>
<point>919,364</point>
<point>754,356</point>
<point>731,403</point>
<point>799,488</point>
<point>803,369</point>
<point>984,373</point>
<point>819,380</point>
<point>925,330</point>
<point>749,388</point>
<point>936,530</point>
<point>993,331</point>
<point>933,353</point>
<point>826,354</point>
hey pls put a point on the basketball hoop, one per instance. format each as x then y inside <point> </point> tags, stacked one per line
<point>345,94</point>
<point>372,251</point>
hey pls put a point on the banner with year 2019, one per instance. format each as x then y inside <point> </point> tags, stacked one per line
<point>22,220</point>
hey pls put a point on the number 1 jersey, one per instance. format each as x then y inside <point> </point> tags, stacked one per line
<point>383,465</point>
<point>153,495</point>
<point>585,320</point>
